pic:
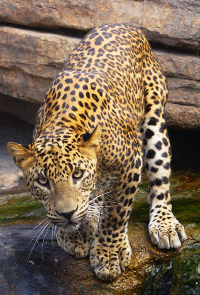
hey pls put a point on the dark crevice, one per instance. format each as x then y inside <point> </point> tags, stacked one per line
<point>78,33</point>
<point>67,32</point>
<point>175,49</point>
<point>24,110</point>
<point>185,148</point>
<point>12,128</point>
<point>181,103</point>
<point>183,77</point>
<point>163,48</point>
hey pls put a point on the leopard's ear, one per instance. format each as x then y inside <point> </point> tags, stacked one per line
<point>22,156</point>
<point>91,141</point>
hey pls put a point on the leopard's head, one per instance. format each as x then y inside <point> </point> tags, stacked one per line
<point>60,173</point>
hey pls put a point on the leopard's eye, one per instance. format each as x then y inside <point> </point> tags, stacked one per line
<point>43,181</point>
<point>78,174</point>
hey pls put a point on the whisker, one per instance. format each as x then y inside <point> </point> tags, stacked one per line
<point>79,233</point>
<point>94,199</point>
<point>40,233</point>
<point>87,221</point>
<point>52,234</point>
<point>42,221</point>
<point>44,240</point>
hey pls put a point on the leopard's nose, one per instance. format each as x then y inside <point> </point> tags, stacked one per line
<point>67,215</point>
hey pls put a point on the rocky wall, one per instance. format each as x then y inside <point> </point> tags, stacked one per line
<point>36,37</point>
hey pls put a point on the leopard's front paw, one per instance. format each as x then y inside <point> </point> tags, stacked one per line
<point>165,230</point>
<point>109,259</point>
<point>77,243</point>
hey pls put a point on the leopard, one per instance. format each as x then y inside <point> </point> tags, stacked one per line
<point>101,123</point>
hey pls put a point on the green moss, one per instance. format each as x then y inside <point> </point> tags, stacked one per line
<point>140,212</point>
<point>180,276</point>
<point>185,193</point>
<point>187,210</point>
<point>186,272</point>
<point>19,209</point>
<point>158,280</point>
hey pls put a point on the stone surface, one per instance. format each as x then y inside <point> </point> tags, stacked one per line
<point>30,60</point>
<point>183,77</point>
<point>49,270</point>
<point>32,263</point>
<point>182,116</point>
<point>180,276</point>
<point>174,23</point>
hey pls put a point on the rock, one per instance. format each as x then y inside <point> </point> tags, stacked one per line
<point>32,263</point>
<point>180,276</point>
<point>183,76</point>
<point>174,23</point>
<point>181,116</point>
<point>186,274</point>
<point>30,60</point>
<point>7,180</point>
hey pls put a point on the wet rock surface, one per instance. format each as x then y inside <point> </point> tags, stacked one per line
<point>180,276</point>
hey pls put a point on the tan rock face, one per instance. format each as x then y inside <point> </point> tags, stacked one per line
<point>171,22</point>
<point>183,77</point>
<point>30,58</point>
<point>29,61</point>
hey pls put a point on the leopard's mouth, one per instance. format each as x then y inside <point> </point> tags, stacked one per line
<point>66,225</point>
<point>63,221</point>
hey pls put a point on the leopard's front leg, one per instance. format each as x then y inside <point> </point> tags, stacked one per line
<point>110,251</point>
<point>164,229</point>
<point>78,242</point>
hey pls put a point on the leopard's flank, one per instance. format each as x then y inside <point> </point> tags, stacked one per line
<point>102,118</point>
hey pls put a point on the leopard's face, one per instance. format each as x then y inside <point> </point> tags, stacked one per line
<point>63,186</point>
<point>61,176</point>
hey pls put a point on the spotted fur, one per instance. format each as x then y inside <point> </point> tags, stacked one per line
<point>103,114</point>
